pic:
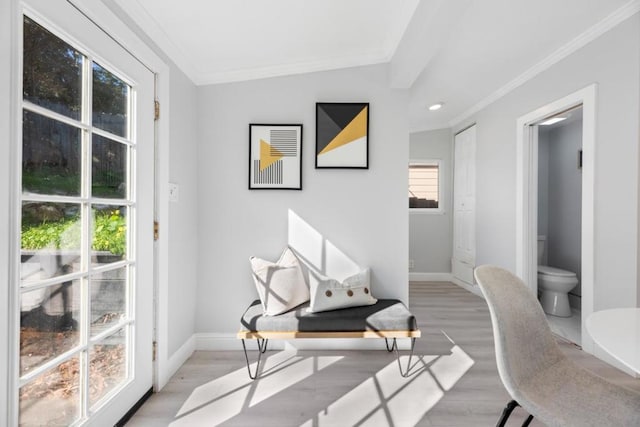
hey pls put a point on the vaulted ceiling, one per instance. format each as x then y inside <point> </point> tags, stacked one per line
<point>460,52</point>
<point>216,41</point>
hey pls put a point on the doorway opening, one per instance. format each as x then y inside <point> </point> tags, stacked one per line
<point>560,220</point>
<point>528,226</point>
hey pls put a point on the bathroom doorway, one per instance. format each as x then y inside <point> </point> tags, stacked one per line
<point>560,221</point>
<point>527,198</point>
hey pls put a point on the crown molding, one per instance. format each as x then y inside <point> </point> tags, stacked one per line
<point>154,31</point>
<point>304,67</point>
<point>595,31</point>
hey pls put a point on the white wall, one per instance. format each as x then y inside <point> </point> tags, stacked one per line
<point>431,235</point>
<point>613,62</point>
<point>183,214</point>
<point>362,212</point>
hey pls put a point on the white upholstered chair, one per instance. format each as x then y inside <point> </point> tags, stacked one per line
<point>535,372</point>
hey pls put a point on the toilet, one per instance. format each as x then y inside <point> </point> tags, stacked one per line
<point>554,285</point>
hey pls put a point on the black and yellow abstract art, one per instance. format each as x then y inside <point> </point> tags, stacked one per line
<point>275,157</point>
<point>342,135</point>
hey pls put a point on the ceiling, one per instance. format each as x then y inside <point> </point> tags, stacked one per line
<point>460,52</point>
<point>570,117</point>
<point>218,41</point>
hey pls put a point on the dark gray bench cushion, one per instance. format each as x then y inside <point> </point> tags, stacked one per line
<point>385,315</point>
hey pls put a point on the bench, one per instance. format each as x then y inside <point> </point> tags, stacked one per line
<point>388,318</point>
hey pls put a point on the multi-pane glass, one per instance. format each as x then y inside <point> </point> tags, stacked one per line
<point>110,97</point>
<point>50,240</point>
<point>108,168</point>
<point>49,322</point>
<point>52,71</point>
<point>109,238</point>
<point>51,156</point>
<point>108,299</point>
<point>74,228</point>
<point>52,399</point>
<point>107,365</point>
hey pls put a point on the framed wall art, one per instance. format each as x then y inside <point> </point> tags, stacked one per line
<point>275,157</point>
<point>342,135</point>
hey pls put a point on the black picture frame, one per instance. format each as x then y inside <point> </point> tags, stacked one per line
<point>342,135</point>
<point>275,156</point>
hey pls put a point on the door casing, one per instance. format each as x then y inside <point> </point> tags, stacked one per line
<point>527,196</point>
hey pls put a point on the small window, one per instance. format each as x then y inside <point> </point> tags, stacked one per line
<point>424,185</point>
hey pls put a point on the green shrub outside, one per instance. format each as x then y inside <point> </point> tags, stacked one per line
<point>109,233</point>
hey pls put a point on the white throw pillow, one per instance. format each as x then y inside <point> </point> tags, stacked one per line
<point>329,294</point>
<point>281,285</point>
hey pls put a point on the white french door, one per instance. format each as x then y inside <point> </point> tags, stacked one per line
<point>464,205</point>
<point>82,291</point>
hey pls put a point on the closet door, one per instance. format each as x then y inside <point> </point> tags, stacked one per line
<point>464,203</point>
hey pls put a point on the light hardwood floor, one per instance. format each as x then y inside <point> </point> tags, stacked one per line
<point>454,383</point>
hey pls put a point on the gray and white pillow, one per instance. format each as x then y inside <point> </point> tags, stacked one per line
<point>281,285</point>
<point>329,294</point>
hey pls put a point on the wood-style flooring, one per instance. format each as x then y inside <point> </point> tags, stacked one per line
<point>454,383</point>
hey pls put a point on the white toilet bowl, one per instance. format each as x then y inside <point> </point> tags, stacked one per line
<point>554,285</point>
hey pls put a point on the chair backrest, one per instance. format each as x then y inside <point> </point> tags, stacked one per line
<point>524,343</point>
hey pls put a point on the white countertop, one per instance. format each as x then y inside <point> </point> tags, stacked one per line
<point>617,331</point>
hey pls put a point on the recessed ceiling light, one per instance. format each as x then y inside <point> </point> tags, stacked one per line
<point>437,106</point>
<point>552,120</point>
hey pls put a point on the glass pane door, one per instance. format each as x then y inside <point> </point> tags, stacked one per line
<point>78,260</point>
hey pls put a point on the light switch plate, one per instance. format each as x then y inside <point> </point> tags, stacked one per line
<point>174,191</point>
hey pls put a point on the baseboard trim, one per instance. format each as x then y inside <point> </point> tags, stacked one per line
<point>474,289</point>
<point>176,360</point>
<point>208,341</point>
<point>430,277</point>
<point>229,342</point>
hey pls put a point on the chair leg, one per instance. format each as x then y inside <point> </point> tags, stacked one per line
<point>527,421</point>
<point>262,347</point>
<point>394,346</point>
<point>506,413</point>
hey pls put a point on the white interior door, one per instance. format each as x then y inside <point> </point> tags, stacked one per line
<point>464,202</point>
<point>83,282</point>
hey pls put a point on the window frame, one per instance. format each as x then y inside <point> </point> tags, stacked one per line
<point>429,162</point>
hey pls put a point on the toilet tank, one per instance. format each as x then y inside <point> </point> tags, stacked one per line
<point>541,242</point>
